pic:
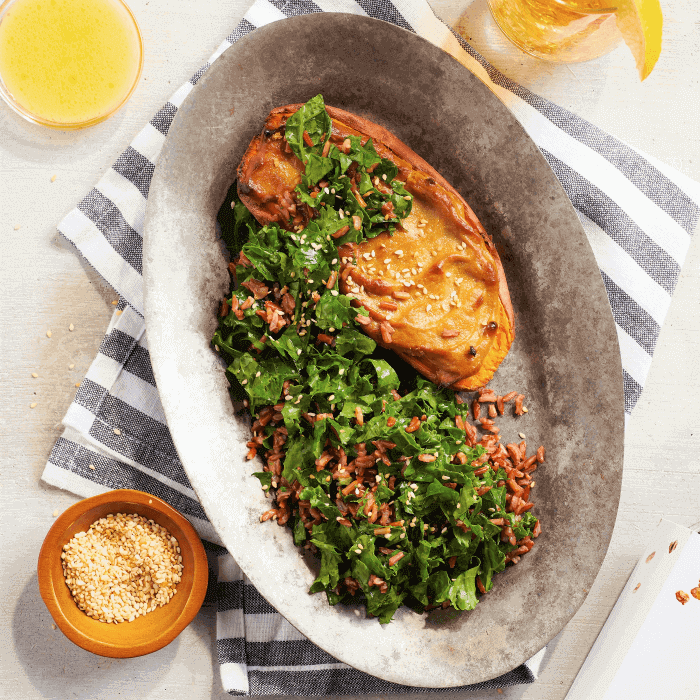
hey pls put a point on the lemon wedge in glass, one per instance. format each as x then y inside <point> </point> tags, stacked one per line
<point>640,23</point>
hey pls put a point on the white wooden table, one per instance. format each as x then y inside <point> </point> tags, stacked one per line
<point>46,286</point>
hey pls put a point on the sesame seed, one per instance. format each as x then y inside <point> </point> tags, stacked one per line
<point>17,227</point>
<point>53,178</point>
<point>117,431</point>
<point>245,381</point>
<point>115,302</point>
<point>55,514</point>
<point>32,405</point>
<point>119,312</point>
<point>257,374</point>
<point>71,327</point>
<point>122,567</point>
<point>77,385</point>
<point>448,274</point>
<point>428,307</point>
<point>521,436</point>
<point>91,466</point>
<point>71,366</point>
<point>48,334</point>
<point>399,252</point>
<point>35,375</point>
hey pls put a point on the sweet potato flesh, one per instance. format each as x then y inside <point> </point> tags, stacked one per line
<point>434,289</point>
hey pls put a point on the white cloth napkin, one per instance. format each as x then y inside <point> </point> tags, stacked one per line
<point>639,216</point>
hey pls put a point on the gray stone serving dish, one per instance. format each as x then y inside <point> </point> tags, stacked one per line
<point>565,358</point>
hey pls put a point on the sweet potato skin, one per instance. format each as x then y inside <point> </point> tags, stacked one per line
<point>448,343</point>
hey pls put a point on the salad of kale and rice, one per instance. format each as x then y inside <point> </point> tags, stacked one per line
<point>375,469</point>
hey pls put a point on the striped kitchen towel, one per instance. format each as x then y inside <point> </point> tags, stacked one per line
<point>639,216</point>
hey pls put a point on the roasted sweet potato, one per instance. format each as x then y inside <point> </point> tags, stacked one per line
<point>435,289</point>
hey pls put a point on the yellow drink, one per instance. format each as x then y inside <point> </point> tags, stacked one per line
<point>559,30</point>
<point>68,63</point>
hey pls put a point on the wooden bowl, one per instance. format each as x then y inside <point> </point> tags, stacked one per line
<point>146,633</point>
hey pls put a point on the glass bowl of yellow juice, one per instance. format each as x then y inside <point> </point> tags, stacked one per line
<point>68,64</point>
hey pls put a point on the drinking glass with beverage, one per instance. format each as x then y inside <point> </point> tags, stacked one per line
<point>569,31</point>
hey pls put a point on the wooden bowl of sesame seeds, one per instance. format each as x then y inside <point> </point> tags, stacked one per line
<point>114,556</point>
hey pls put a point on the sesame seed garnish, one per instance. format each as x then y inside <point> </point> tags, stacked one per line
<point>77,385</point>
<point>117,431</point>
<point>257,374</point>
<point>522,437</point>
<point>91,466</point>
<point>118,312</point>
<point>53,178</point>
<point>48,334</point>
<point>32,405</point>
<point>35,375</point>
<point>71,366</point>
<point>115,302</point>
<point>55,514</point>
<point>17,227</point>
<point>123,567</point>
<point>448,274</point>
<point>428,307</point>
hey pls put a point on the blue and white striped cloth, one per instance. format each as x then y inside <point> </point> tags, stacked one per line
<point>639,216</point>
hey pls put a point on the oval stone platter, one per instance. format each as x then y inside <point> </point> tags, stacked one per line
<point>565,358</point>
